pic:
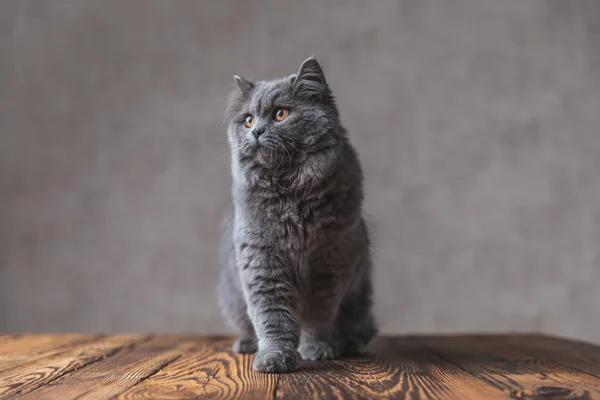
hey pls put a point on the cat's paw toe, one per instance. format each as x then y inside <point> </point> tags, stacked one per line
<point>245,345</point>
<point>316,351</point>
<point>275,361</point>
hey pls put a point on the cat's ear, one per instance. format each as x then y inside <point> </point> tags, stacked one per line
<point>243,84</point>
<point>311,70</point>
<point>310,80</point>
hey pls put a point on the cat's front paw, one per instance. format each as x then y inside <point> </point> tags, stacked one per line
<point>275,361</point>
<point>245,345</point>
<point>314,351</point>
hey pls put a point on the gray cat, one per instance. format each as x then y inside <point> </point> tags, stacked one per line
<point>296,265</point>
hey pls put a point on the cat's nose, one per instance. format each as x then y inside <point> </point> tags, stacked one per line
<point>257,132</point>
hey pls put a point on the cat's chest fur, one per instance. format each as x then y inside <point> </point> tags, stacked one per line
<point>291,223</point>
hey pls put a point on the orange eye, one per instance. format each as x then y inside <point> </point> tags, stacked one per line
<point>281,114</point>
<point>249,121</point>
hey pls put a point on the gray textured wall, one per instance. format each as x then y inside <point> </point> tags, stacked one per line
<point>478,123</point>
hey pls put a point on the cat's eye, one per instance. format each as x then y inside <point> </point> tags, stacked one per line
<point>281,114</point>
<point>249,121</point>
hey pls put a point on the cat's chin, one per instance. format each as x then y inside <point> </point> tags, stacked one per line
<point>272,157</point>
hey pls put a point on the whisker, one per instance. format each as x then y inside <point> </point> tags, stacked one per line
<point>286,149</point>
<point>282,159</point>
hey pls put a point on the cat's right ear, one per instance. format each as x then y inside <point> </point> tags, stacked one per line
<point>243,84</point>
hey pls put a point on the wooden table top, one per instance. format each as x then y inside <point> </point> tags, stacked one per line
<point>188,367</point>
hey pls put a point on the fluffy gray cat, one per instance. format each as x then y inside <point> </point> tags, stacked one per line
<point>296,266</point>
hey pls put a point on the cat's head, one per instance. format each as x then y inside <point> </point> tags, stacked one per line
<point>284,121</point>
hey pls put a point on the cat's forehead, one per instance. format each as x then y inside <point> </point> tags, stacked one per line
<point>268,94</point>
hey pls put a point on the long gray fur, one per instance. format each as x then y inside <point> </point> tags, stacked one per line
<point>296,265</point>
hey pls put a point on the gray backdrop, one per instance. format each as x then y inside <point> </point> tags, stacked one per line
<point>478,123</point>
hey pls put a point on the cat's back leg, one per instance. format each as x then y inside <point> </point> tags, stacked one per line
<point>356,324</point>
<point>231,298</point>
<point>235,311</point>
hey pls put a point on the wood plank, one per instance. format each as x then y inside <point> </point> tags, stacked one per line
<point>5,338</point>
<point>116,374</point>
<point>29,376</point>
<point>211,371</point>
<point>521,367</point>
<point>397,368</point>
<point>27,348</point>
<point>509,369</point>
<point>577,355</point>
<point>29,344</point>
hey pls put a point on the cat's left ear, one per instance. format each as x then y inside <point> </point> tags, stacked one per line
<point>310,80</point>
<point>311,70</point>
<point>243,84</point>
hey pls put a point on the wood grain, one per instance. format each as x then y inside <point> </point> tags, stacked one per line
<point>31,375</point>
<point>396,368</point>
<point>580,356</point>
<point>517,367</point>
<point>114,375</point>
<point>9,338</point>
<point>499,363</point>
<point>213,371</point>
<point>27,348</point>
